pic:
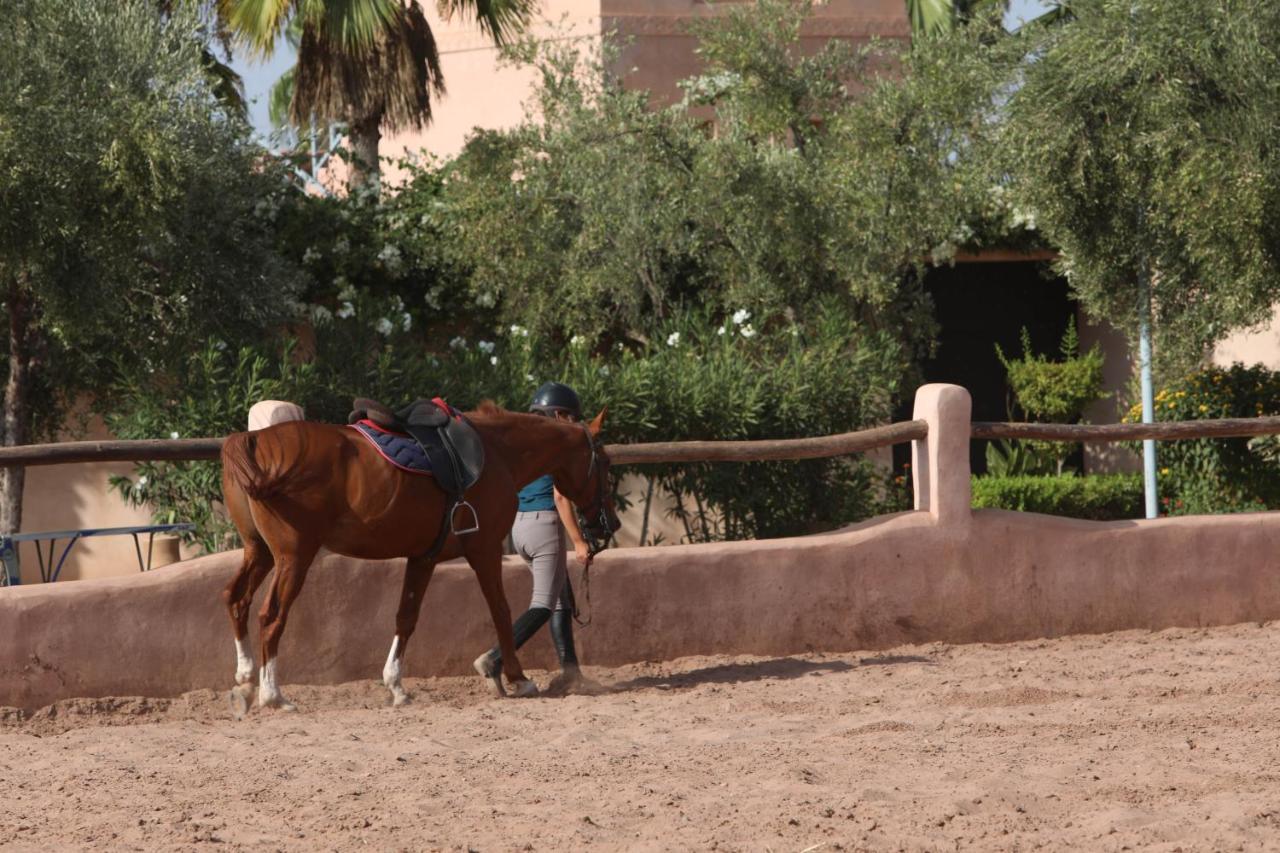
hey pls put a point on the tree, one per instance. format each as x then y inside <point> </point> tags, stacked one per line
<point>140,229</point>
<point>826,177</point>
<point>1142,139</point>
<point>368,64</point>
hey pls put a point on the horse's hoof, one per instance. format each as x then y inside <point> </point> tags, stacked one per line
<point>239,699</point>
<point>487,667</point>
<point>277,702</point>
<point>523,688</point>
<point>399,697</point>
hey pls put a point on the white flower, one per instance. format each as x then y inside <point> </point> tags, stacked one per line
<point>390,257</point>
<point>384,327</point>
<point>342,246</point>
<point>458,343</point>
<point>486,300</point>
<point>519,331</point>
<point>486,347</point>
<point>741,316</point>
<point>604,370</point>
<point>347,310</point>
<point>320,315</point>
<point>310,255</point>
<point>142,481</point>
<point>529,376</point>
<point>720,331</point>
<point>577,341</point>
<point>220,346</point>
<point>673,339</point>
<point>748,332</point>
<point>406,321</point>
<point>173,435</point>
<point>493,359</point>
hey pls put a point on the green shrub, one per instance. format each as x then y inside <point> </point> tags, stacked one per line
<point>700,377</point>
<point>1047,391</point>
<point>1217,475</point>
<point>1104,497</point>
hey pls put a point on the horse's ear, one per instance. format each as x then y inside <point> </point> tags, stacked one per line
<point>598,421</point>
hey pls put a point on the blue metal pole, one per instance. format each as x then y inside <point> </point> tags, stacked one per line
<point>1148,401</point>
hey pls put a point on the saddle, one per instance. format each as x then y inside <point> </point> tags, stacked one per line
<point>450,443</point>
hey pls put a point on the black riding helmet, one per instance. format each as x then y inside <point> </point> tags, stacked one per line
<point>554,397</point>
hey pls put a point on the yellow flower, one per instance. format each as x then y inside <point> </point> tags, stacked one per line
<point>1164,471</point>
<point>1203,407</point>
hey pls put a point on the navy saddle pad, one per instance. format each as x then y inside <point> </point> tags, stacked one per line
<point>397,448</point>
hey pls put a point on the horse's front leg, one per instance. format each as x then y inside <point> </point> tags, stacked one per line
<point>417,574</point>
<point>487,564</point>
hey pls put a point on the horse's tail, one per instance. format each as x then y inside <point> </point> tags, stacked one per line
<point>240,462</point>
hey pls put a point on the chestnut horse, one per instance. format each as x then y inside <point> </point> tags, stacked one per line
<point>294,487</point>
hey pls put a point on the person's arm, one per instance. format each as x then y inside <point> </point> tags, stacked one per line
<point>569,518</point>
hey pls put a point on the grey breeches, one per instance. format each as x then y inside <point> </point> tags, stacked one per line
<point>539,538</point>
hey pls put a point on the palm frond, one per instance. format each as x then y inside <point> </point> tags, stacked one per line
<point>931,17</point>
<point>498,19</point>
<point>256,23</point>
<point>280,98</point>
<point>394,78</point>
<point>228,87</point>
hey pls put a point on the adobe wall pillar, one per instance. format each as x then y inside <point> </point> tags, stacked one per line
<point>940,463</point>
<point>265,413</point>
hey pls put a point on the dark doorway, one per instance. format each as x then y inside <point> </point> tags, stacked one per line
<point>979,305</point>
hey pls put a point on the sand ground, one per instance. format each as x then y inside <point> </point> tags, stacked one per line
<point>1140,740</point>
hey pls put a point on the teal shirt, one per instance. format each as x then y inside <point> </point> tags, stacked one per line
<point>539,495</point>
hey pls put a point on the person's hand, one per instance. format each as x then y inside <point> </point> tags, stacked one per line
<point>583,553</point>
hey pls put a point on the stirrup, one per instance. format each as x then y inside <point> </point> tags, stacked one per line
<point>475,518</point>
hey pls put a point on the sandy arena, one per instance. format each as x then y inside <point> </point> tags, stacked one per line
<point>1138,740</point>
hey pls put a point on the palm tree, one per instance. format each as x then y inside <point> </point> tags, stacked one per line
<point>367,64</point>
<point>935,17</point>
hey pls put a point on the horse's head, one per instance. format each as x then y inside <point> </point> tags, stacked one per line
<point>584,479</point>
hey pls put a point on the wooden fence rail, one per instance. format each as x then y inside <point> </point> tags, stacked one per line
<point>1094,433</point>
<point>189,449</point>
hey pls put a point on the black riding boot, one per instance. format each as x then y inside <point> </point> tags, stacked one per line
<point>524,628</point>
<point>562,636</point>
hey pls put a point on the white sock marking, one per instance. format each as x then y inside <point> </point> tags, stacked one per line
<point>244,662</point>
<point>391,672</point>
<point>267,690</point>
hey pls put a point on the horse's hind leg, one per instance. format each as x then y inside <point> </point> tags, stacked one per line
<point>417,574</point>
<point>238,596</point>
<point>291,572</point>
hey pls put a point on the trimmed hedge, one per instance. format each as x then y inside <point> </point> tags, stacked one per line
<point>1103,497</point>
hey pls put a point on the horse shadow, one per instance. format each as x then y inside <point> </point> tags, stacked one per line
<point>778,669</point>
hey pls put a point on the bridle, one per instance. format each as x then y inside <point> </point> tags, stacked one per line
<point>594,522</point>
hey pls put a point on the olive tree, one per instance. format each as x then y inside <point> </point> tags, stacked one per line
<point>1142,139</point>
<point>131,207</point>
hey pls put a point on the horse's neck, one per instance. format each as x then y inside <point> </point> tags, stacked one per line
<point>530,446</point>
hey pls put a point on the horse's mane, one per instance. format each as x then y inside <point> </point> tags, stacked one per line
<point>488,407</point>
